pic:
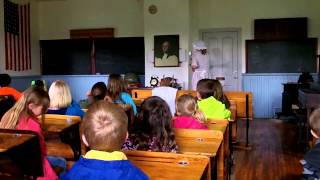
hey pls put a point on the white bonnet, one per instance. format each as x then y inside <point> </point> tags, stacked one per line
<point>198,45</point>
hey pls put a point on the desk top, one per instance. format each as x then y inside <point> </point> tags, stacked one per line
<point>56,126</point>
<point>10,140</point>
<point>220,125</point>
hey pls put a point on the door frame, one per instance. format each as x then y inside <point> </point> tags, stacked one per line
<point>239,52</point>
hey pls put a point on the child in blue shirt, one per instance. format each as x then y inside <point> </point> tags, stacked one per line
<point>104,130</point>
<point>117,92</point>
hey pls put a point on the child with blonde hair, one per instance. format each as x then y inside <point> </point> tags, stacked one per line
<point>23,116</point>
<point>104,130</point>
<point>61,100</point>
<point>188,114</point>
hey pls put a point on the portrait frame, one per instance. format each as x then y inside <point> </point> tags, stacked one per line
<point>166,51</point>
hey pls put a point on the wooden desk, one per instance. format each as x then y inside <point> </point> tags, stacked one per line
<point>223,153</point>
<point>67,129</point>
<point>53,126</point>
<point>200,142</point>
<point>162,165</point>
<point>20,154</point>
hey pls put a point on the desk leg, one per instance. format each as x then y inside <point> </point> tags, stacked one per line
<point>220,162</point>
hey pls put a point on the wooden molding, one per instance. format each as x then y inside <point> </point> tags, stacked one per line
<point>91,33</point>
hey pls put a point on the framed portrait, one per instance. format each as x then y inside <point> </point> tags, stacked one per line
<point>166,51</point>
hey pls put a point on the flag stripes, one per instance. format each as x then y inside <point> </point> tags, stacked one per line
<point>17,36</point>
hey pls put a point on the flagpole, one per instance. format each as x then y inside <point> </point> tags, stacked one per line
<point>93,58</point>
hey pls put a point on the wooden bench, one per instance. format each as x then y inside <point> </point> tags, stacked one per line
<point>20,154</point>
<point>62,135</point>
<point>161,165</point>
<point>202,142</point>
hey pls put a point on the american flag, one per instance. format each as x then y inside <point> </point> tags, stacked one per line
<point>17,36</point>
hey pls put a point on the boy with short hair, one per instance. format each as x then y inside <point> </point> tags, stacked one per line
<point>211,107</point>
<point>5,89</point>
<point>311,161</point>
<point>104,130</point>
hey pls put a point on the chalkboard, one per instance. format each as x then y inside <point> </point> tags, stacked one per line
<point>120,55</point>
<point>64,57</point>
<point>73,56</point>
<point>281,56</point>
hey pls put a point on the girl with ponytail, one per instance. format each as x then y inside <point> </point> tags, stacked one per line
<point>23,116</point>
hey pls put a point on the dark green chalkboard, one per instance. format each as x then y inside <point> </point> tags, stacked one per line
<point>281,56</point>
<point>73,56</point>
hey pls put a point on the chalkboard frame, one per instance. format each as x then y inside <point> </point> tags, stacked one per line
<point>313,42</point>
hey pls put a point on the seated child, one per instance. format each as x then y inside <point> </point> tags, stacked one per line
<point>208,104</point>
<point>61,100</point>
<point>5,89</point>
<point>167,93</point>
<point>188,114</point>
<point>98,92</point>
<point>154,130</point>
<point>311,161</point>
<point>104,130</point>
<point>39,83</point>
<point>23,116</point>
<point>218,93</point>
<point>117,92</point>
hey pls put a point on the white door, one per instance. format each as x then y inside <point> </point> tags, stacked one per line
<point>224,56</point>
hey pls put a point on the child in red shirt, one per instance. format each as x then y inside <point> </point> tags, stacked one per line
<point>188,114</point>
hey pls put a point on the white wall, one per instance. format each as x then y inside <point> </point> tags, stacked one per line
<point>241,14</point>
<point>35,50</point>
<point>57,17</point>
<point>172,18</point>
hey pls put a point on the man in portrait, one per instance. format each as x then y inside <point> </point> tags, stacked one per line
<point>166,55</point>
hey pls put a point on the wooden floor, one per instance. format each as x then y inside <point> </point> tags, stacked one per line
<point>275,153</point>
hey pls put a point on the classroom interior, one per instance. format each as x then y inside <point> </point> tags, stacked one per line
<point>274,149</point>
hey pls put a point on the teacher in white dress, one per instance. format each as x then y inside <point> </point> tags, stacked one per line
<point>200,63</point>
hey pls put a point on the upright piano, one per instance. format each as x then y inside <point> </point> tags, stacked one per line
<point>309,99</point>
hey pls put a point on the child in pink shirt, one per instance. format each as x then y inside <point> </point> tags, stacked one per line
<point>188,114</point>
<point>23,116</point>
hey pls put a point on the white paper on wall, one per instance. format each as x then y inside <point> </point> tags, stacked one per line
<point>150,57</point>
<point>182,55</point>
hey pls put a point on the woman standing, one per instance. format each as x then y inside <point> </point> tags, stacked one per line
<point>200,63</point>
